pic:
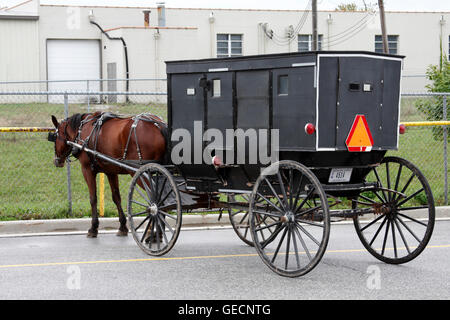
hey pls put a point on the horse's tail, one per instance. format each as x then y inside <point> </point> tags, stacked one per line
<point>165,132</point>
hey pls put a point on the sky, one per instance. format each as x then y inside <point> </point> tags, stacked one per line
<point>390,5</point>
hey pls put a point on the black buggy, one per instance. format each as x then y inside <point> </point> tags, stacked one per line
<point>336,114</point>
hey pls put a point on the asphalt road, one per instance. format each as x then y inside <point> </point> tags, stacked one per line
<point>212,264</point>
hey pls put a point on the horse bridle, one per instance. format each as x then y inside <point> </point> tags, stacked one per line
<point>53,136</point>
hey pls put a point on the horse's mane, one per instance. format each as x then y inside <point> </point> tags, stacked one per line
<point>75,120</point>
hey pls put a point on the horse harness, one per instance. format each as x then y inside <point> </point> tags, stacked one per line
<point>97,126</point>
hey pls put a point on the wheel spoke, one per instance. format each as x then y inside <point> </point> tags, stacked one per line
<point>162,190</point>
<point>167,215</point>
<point>310,192</point>
<point>303,243</point>
<point>393,239</point>
<point>146,229</point>
<point>410,197</point>
<point>286,262</point>
<point>283,190</point>
<point>407,228</point>
<point>397,181</point>
<point>139,213</point>
<point>272,236</point>
<point>267,226</point>
<point>310,223</point>
<point>367,199</point>
<point>140,203</point>
<point>291,187</point>
<point>243,218</point>
<point>402,236</point>
<point>412,219</point>
<point>379,181</point>
<point>162,229</point>
<point>140,225</point>
<point>405,186</point>
<point>308,234</point>
<point>147,189</point>
<point>385,237</point>
<point>297,258</point>
<point>308,211</point>
<point>374,221</point>
<point>412,208</point>
<point>378,231</point>
<point>275,193</point>
<point>164,199</point>
<point>279,245</point>
<point>167,225</point>
<point>270,203</point>
<point>142,194</point>
<point>388,179</point>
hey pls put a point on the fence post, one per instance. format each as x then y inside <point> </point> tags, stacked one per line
<point>88,98</point>
<point>69,185</point>
<point>444,116</point>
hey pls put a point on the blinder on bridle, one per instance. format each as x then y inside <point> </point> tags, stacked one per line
<point>52,136</point>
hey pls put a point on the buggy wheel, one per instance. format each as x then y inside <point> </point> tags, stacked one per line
<point>239,220</point>
<point>291,199</point>
<point>404,212</point>
<point>154,209</point>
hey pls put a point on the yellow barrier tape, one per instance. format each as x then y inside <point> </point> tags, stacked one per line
<point>18,129</point>
<point>426,123</point>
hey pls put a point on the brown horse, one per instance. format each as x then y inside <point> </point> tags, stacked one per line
<point>112,136</point>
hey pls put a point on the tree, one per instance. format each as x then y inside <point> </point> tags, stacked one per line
<point>432,108</point>
<point>347,7</point>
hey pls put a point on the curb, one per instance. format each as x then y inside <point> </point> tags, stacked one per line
<point>106,224</point>
<point>112,224</point>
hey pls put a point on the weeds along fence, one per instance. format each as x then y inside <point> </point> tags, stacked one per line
<point>31,187</point>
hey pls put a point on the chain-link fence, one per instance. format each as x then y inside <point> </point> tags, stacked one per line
<point>426,145</point>
<point>32,187</point>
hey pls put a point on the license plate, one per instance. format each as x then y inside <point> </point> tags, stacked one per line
<point>340,175</point>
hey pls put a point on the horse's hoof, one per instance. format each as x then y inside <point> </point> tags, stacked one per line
<point>92,234</point>
<point>122,233</point>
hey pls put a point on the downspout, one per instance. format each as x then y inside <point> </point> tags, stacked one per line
<point>125,52</point>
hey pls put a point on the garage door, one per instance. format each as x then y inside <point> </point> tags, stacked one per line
<point>73,60</point>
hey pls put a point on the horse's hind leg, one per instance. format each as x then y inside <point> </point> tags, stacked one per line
<point>114,184</point>
<point>89,176</point>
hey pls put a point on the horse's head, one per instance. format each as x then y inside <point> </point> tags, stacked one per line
<point>60,138</point>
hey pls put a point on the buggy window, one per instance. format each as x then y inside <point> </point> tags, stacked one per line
<point>283,85</point>
<point>216,88</point>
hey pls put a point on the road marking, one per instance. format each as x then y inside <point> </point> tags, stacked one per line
<point>49,264</point>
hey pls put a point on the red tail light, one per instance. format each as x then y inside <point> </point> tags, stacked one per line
<point>310,128</point>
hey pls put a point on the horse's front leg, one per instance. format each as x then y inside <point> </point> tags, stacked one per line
<point>114,184</point>
<point>90,178</point>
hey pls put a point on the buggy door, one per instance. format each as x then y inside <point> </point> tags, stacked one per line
<point>294,99</point>
<point>219,112</point>
<point>360,91</point>
<point>253,98</point>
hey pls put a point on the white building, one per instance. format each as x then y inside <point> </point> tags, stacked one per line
<point>51,42</point>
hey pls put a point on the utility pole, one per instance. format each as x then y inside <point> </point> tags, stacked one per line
<point>315,46</point>
<point>383,26</point>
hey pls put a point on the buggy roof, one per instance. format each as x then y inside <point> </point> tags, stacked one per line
<point>266,61</point>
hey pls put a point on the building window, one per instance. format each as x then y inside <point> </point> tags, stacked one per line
<point>305,42</point>
<point>229,45</point>
<point>392,44</point>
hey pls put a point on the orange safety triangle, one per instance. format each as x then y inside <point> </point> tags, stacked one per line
<point>360,138</point>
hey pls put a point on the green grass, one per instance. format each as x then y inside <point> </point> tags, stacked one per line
<point>31,187</point>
